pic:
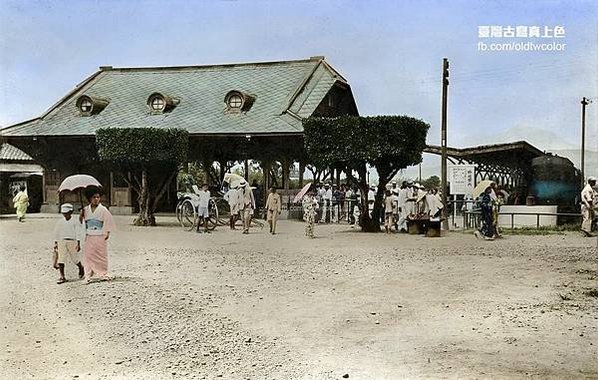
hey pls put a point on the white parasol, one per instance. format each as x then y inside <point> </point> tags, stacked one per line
<point>481,187</point>
<point>78,181</point>
<point>302,193</point>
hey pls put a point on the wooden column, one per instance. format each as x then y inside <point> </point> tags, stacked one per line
<point>206,171</point>
<point>247,169</point>
<point>285,174</point>
<point>301,170</point>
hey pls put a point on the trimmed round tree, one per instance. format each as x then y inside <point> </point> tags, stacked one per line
<point>152,157</point>
<point>351,143</point>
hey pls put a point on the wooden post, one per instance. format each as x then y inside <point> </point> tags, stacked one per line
<point>301,170</point>
<point>285,174</point>
<point>111,189</point>
<point>206,171</point>
<point>445,83</point>
<point>247,169</point>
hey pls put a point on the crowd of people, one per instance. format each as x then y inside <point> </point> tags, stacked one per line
<point>334,204</point>
<point>321,204</point>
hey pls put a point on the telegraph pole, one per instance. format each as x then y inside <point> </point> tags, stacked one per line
<point>584,103</point>
<point>443,142</point>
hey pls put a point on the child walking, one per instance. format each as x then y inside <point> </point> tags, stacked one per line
<point>67,241</point>
<point>98,225</point>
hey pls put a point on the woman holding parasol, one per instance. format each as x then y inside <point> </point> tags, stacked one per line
<point>98,224</point>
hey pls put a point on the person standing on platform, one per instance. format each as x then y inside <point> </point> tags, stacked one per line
<point>588,202</point>
<point>273,209</point>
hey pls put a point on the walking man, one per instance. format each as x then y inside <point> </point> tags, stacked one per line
<point>247,202</point>
<point>21,202</point>
<point>273,209</point>
<point>587,207</point>
<point>232,197</point>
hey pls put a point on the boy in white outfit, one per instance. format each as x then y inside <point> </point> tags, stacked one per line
<point>68,234</point>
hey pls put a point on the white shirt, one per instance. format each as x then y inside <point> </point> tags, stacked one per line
<point>403,195</point>
<point>232,197</point>
<point>587,195</point>
<point>327,195</point>
<point>70,229</point>
<point>204,198</point>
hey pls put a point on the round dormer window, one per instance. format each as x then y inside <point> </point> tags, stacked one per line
<point>235,101</point>
<point>85,105</point>
<point>157,103</point>
<point>90,105</point>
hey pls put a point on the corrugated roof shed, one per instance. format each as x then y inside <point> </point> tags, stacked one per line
<point>11,153</point>
<point>284,93</point>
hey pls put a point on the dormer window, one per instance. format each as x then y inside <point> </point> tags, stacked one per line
<point>159,103</point>
<point>91,105</point>
<point>237,101</point>
<point>85,105</point>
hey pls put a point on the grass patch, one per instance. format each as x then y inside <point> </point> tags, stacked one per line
<point>592,293</point>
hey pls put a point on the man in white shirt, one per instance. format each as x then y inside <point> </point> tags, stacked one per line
<point>371,199</point>
<point>247,204</point>
<point>327,202</point>
<point>202,211</point>
<point>232,197</point>
<point>402,204</point>
<point>68,234</point>
<point>587,207</point>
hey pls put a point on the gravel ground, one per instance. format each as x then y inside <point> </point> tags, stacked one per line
<point>344,305</point>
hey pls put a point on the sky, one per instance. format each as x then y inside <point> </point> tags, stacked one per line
<point>390,52</point>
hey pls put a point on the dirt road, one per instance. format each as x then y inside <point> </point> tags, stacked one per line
<point>233,306</point>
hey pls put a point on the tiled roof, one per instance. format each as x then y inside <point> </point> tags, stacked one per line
<point>284,92</point>
<point>11,153</point>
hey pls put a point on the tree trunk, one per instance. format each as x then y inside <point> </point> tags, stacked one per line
<point>145,216</point>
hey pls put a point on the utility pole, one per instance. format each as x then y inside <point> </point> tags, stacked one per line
<point>584,103</point>
<point>443,142</point>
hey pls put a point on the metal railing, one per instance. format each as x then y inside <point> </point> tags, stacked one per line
<point>471,218</point>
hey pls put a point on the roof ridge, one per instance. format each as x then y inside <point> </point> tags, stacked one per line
<point>221,65</point>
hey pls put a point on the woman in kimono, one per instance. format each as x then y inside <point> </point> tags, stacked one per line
<point>21,202</point>
<point>98,225</point>
<point>487,230</point>
<point>310,210</point>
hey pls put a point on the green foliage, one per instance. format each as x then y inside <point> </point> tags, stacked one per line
<point>142,146</point>
<point>351,143</point>
<point>390,141</point>
<point>432,182</point>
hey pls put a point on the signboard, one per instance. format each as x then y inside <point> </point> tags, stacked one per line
<point>461,179</point>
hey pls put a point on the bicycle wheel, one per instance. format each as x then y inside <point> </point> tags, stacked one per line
<point>177,211</point>
<point>188,215</point>
<point>213,212</point>
<point>223,212</point>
